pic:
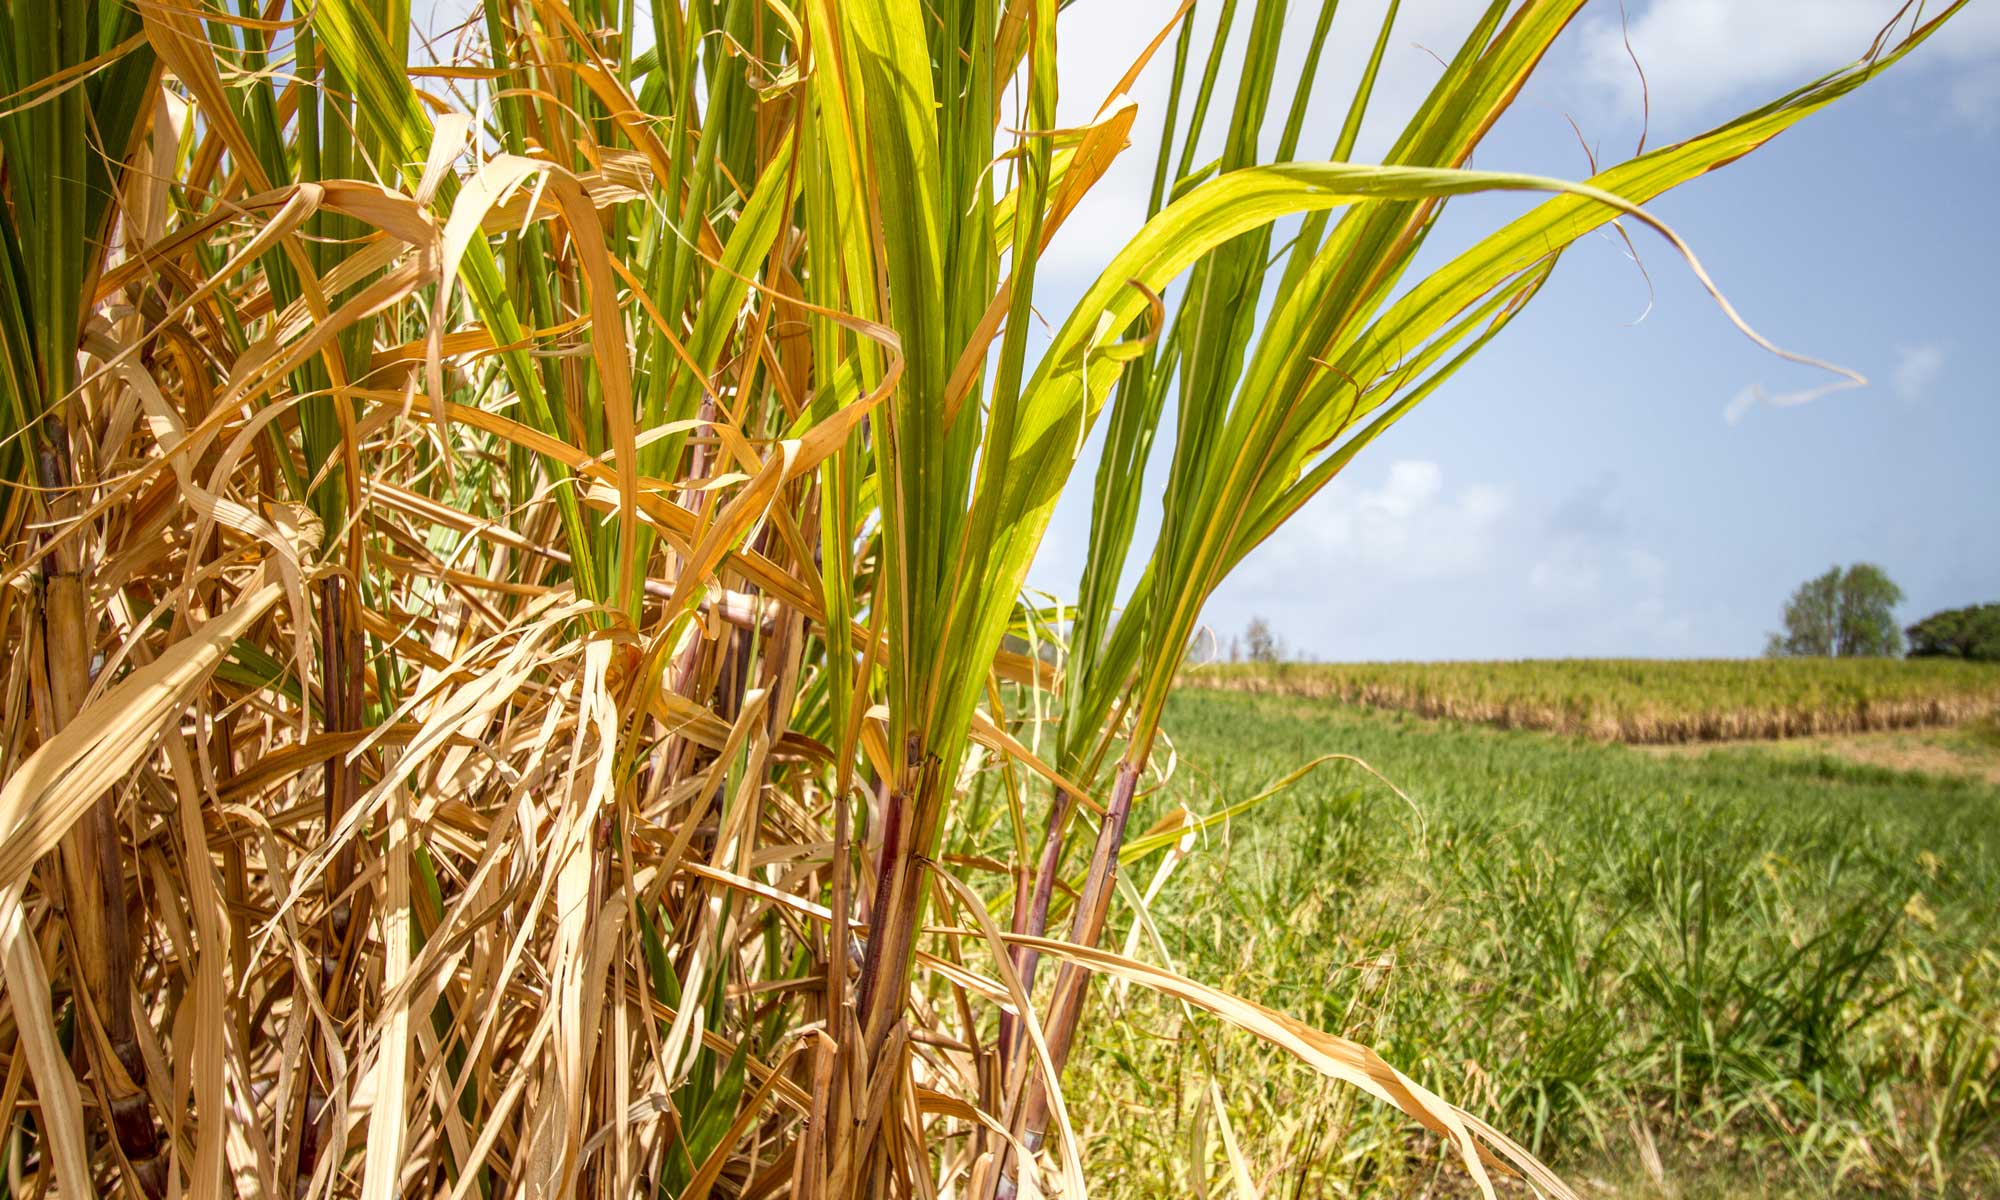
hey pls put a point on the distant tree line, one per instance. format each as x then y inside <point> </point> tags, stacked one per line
<point>1972,632</point>
<point>1851,614</point>
<point>1845,613</point>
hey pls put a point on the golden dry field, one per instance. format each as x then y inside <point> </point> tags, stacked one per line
<point>1648,701</point>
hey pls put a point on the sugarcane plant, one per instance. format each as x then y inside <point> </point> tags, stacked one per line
<point>516,545</point>
<point>80,91</point>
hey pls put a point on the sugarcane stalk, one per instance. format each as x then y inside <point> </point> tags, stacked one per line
<point>882,991</point>
<point>1032,918</point>
<point>92,861</point>
<point>1093,906</point>
<point>342,932</point>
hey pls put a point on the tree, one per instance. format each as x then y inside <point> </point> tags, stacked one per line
<point>1868,627</point>
<point>1841,614</point>
<point>1261,644</point>
<point>1811,619</point>
<point>1972,632</point>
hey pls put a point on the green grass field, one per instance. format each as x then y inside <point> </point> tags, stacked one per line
<point>1649,700</point>
<point>1743,972</point>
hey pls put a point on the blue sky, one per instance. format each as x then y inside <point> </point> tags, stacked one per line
<point>1600,485</point>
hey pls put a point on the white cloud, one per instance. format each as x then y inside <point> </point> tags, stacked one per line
<point>1754,394</point>
<point>1415,564</point>
<point>1409,528</point>
<point>1603,594</point>
<point>1567,576</point>
<point>1096,43</point>
<point>1578,571</point>
<point>1917,369</point>
<point>1645,565</point>
<point>1975,98</point>
<point>1698,54</point>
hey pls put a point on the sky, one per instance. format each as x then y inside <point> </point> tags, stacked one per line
<point>1600,484</point>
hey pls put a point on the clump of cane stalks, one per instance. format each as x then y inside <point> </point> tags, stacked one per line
<point>509,565</point>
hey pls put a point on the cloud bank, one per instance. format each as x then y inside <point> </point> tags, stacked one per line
<point>1414,565</point>
<point>1699,55</point>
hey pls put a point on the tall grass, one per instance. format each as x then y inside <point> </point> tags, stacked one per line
<point>510,562</point>
<point>1642,700</point>
<point>1738,974</point>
